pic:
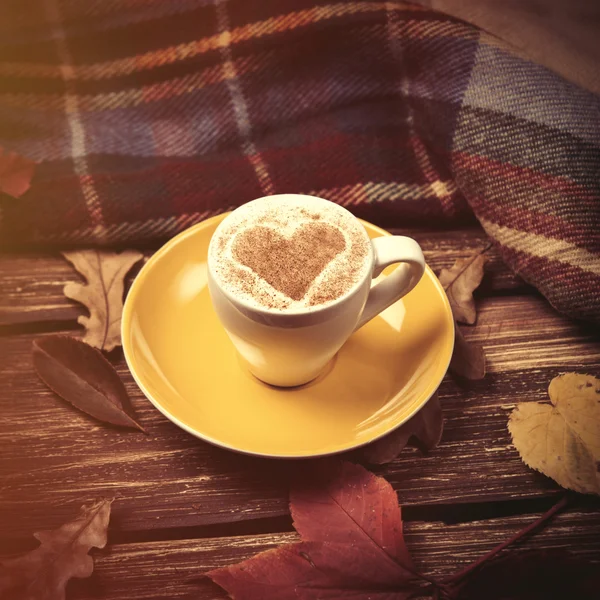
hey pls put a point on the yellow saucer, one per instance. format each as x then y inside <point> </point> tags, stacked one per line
<point>183,361</point>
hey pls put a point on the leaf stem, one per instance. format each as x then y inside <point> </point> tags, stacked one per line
<point>562,503</point>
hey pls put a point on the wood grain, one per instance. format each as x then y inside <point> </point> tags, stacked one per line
<point>175,492</point>
<point>31,285</point>
<point>174,569</point>
<point>53,458</point>
<point>31,288</point>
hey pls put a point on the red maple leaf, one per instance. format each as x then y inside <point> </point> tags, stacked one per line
<point>352,546</point>
<point>15,173</point>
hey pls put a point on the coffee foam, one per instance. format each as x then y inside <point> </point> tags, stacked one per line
<point>289,254</point>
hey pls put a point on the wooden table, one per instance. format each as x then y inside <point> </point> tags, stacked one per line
<point>184,507</point>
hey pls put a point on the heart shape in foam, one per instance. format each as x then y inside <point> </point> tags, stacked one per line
<point>289,264</point>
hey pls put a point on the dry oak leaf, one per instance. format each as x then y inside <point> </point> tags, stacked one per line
<point>460,281</point>
<point>82,376</point>
<point>425,428</point>
<point>562,439</point>
<point>15,173</point>
<point>102,294</point>
<point>352,546</point>
<point>43,573</point>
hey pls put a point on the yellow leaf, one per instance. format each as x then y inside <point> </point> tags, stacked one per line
<point>102,294</point>
<point>562,439</point>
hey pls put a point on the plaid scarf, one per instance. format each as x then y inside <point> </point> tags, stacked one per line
<point>148,116</point>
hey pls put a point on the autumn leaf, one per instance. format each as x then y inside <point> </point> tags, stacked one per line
<point>82,376</point>
<point>533,575</point>
<point>102,294</point>
<point>62,554</point>
<point>460,281</point>
<point>468,358</point>
<point>425,428</point>
<point>352,546</point>
<point>15,173</point>
<point>353,507</point>
<point>562,439</point>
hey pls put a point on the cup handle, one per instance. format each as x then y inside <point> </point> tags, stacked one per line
<point>389,250</point>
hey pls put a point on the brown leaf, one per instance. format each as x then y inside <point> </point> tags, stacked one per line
<point>352,547</point>
<point>82,376</point>
<point>103,294</point>
<point>460,282</point>
<point>425,428</point>
<point>62,554</point>
<point>15,173</point>
<point>468,359</point>
<point>562,439</point>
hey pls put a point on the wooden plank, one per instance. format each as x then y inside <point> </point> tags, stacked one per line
<point>521,333</point>
<point>174,569</point>
<point>31,284</point>
<point>53,458</point>
<point>31,289</point>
